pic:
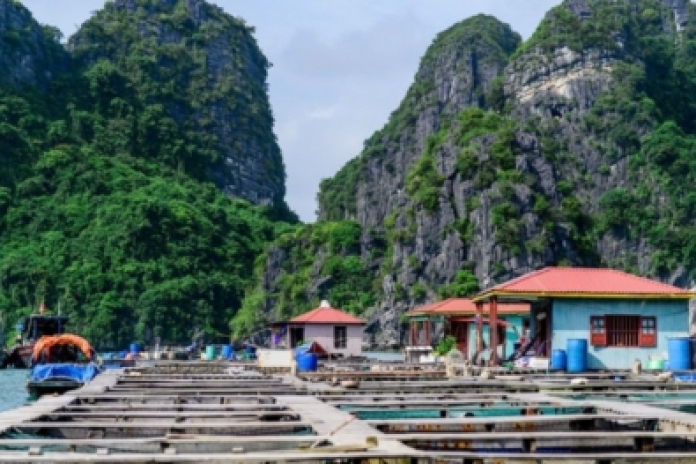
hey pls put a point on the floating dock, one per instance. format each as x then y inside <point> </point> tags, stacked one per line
<point>196,412</point>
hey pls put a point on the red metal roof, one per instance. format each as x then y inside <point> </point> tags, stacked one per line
<point>326,315</point>
<point>467,306</point>
<point>589,281</point>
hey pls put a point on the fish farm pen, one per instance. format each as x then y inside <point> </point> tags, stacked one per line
<point>222,412</point>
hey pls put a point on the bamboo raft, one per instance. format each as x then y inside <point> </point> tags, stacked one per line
<point>202,412</point>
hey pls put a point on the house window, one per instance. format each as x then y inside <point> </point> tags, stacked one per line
<point>623,331</point>
<point>340,337</point>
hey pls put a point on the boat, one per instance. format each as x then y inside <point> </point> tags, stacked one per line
<point>60,363</point>
<point>31,329</point>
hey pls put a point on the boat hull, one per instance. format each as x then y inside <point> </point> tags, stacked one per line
<point>18,357</point>
<point>51,387</point>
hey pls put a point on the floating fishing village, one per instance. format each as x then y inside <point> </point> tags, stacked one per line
<point>619,390</point>
<point>348,231</point>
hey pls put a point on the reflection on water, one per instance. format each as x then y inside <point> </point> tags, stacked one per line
<point>13,388</point>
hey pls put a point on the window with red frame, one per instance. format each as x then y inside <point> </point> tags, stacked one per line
<point>623,331</point>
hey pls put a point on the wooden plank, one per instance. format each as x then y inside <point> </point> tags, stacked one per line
<point>538,435</point>
<point>129,407</point>
<point>169,439</point>
<point>166,414</point>
<point>231,458</point>
<point>163,424</point>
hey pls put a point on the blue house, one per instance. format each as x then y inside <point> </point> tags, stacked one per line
<point>623,317</point>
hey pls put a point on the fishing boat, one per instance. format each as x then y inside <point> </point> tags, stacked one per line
<point>31,329</point>
<point>60,363</point>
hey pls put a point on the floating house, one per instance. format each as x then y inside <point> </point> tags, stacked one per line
<point>459,317</point>
<point>621,316</point>
<point>335,331</point>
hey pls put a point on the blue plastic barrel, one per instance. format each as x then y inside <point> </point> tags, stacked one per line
<point>577,355</point>
<point>210,352</point>
<point>679,353</point>
<point>122,354</point>
<point>306,362</point>
<point>559,360</point>
<point>226,351</point>
<point>134,348</point>
<point>250,349</point>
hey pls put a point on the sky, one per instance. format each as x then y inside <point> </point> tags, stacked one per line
<point>340,67</point>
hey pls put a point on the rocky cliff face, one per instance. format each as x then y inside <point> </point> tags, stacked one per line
<point>30,54</point>
<point>504,158</point>
<point>206,69</point>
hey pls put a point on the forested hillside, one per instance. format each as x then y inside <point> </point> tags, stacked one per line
<point>139,174</point>
<point>575,147</point>
<point>142,187</point>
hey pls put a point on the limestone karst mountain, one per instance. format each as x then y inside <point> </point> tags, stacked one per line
<point>574,147</point>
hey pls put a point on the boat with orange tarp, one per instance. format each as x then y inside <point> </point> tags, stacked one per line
<point>60,363</point>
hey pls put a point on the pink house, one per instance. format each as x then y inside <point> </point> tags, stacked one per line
<point>337,332</point>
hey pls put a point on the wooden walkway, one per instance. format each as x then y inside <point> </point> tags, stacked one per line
<point>202,412</point>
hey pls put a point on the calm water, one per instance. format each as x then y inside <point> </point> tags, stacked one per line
<point>13,388</point>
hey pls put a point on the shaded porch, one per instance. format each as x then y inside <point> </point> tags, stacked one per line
<point>536,334</point>
<point>469,334</point>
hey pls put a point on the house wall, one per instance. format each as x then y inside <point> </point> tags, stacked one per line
<point>324,335</point>
<point>571,319</point>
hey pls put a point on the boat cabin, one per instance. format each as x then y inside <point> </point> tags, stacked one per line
<point>38,325</point>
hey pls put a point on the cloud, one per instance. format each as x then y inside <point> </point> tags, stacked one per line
<point>323,113</point>
<point>381,50</point>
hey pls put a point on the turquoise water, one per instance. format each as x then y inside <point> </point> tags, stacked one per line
<point>13,388</point>
<point>383,356</point>
<point>500,411</point>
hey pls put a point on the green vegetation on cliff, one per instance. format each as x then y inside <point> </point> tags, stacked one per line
<point>325,252</point>
<point>108,209</point>
<point>166,88</point>
<point>123,246</point>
